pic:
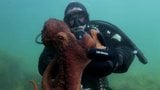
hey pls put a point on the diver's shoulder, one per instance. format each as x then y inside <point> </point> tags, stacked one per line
<point>101,24</point>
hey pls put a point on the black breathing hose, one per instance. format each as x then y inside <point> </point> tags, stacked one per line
<point>36,39</point>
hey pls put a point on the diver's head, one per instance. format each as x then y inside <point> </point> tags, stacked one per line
<point>76,15</point>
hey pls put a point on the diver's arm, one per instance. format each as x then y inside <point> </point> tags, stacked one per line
<point>105,62</point>
<point>117,58</point>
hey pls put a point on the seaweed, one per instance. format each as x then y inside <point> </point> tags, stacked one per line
<point>135,81</point>
<point>13,73</point>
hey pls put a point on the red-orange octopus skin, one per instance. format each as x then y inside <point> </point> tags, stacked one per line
<point>71,56</point>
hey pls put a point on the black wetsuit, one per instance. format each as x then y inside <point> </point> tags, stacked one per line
<point>115,59</point>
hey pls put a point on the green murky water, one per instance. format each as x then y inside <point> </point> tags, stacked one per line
<point>22,20</point>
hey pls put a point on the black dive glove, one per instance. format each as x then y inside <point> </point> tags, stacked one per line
<point>103,62</point>
<point>102,55</point>
<point>118,59</point>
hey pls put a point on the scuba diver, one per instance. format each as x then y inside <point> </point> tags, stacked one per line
<point>115,57</point>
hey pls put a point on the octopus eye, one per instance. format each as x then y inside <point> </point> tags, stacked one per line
<point>60,37</point>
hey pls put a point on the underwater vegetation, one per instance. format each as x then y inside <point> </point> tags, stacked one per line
<point>135,81</point>
<point>14,74</point>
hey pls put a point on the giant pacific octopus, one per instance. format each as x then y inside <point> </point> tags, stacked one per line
<point>70,56</point>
